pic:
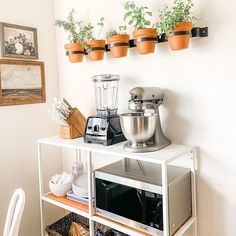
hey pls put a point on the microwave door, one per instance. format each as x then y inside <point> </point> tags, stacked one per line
<point>118,199</point>
<point>151,208</point>
<point>131,203</point>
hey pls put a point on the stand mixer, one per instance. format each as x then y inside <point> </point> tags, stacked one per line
<point>142,127</point>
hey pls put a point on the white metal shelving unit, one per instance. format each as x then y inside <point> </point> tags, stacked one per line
<point>163,157</point>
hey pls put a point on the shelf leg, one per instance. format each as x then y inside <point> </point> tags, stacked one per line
<point>90,192</point>
<point>91,227</point>
<point>77,155</point>
<point>165,199</point>
<point>40,171</point>
<point>194,196</point>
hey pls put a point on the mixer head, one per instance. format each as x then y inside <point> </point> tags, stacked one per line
<point>142,98</point>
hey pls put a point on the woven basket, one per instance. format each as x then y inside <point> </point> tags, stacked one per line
<point>62,226</point>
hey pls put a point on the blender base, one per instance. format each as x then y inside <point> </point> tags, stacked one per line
<point>139,149</point>
<point>104,130</point>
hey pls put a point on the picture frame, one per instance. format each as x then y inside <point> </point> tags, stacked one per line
<point>21,82</point>
<point>18,41</point>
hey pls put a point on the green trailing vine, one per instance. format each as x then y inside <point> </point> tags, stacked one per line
<point>181,11</point>
<point>101,25</point>
<point>86,32</point>
<point>72,27</point>
<point>78,32</point>
<point>139,17</point>
<point>89,31</point>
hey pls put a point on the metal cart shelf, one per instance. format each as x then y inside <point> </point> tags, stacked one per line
<point>163,157</point>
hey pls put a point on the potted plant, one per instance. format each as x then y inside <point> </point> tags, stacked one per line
<point>176,23</point>
<point>118,42</point>
<point>145,37</point>
<point>75,29</point>
<point>96,45</point>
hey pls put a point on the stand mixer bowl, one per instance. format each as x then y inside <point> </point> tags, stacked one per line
<point>138,128</point>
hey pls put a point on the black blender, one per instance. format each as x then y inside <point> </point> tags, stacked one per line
<point>104,128</point>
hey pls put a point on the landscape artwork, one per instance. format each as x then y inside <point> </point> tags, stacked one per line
<point>19,41</point>
<point>21,82</point>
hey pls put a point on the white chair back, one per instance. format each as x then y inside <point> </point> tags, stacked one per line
<point>14,213</point>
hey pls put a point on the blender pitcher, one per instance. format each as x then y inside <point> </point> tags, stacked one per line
<point>106,92</point>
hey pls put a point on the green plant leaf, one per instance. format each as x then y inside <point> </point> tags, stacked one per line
<point>137,16</point>
<point>127,15</point>
<point>130,22</point>
<point>180,11</point>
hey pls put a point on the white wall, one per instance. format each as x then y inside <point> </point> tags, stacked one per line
<point>21,126</point>
<point>200,98</point>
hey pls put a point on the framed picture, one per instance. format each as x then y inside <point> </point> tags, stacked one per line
<point>21,82</point>
<point>18,41</point>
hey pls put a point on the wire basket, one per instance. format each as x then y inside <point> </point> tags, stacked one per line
<point>62,226</point>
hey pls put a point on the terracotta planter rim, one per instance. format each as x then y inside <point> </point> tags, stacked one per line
<point>71,46</point>
<point>118,38</point>
<point>145,29</point>
<point>184,22</point>
<point>120,35</point>
<point>183,25</point>
<point>96,41</point>
<point>145,32</point>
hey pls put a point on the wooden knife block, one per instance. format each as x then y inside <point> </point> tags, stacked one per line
<point>76,128</point>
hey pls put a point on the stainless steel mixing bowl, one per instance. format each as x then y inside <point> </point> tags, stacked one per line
<point>138,127</point>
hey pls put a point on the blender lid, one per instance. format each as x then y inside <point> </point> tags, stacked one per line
<point>105,77</point>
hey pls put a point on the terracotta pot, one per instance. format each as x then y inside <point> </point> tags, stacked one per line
<point>178,42</point>
<point>119,45</point>
<point>75,52</point>
<point>97,48</point>
<point>148,45</point>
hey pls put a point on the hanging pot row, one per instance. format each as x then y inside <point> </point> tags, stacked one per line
<point>175,22</point>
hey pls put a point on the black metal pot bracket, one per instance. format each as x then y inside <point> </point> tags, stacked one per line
<point>97,49</point>
<point>144,39</point>
<point>195,32</point>
<point>118,45</point>
<point>200,32</point>
<point>74,52</point>
<point>94,49</point>
<point>177,33</point>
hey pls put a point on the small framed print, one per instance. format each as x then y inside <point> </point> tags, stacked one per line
<point>18,41</point>
<point>21,82</point>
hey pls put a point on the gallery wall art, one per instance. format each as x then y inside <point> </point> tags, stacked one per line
<point>21,82</point>
<point>18,41</point>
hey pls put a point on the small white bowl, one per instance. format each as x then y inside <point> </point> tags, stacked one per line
<point>59,190</point>
<point>80,185</point>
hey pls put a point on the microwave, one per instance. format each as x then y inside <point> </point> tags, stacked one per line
<point>130,192</point>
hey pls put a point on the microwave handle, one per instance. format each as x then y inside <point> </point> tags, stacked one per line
<point>143,203</point>
<point>108,187</point>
